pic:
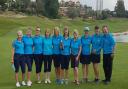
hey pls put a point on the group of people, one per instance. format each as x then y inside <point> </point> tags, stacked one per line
<point>63,49</point>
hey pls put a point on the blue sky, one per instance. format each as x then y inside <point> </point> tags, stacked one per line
<point>110,4</point>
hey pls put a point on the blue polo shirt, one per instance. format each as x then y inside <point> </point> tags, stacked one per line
<point>38,44</point>
<point>28,44</point>
<point>66,44</point>
<point>108,43</point>
<point>86,45</point>
<point>75,45</point>
<point>18,46</point>
<point>56,44</point>
<point>47,46</point>
<point>97,43</point>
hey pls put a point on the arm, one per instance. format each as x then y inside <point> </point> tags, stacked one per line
<point>12,59</point>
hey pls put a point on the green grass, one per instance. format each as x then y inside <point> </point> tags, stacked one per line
<point>9,26</point>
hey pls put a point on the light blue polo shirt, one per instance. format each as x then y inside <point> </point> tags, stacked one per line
<point>86,45</point>
<point>56,44</point>
<point>47,46</point>
<point>66,44</point>
<point>97,43</point>
<point>18,46</point>
<point>38,44</point>
<point>28,44</point>
<point>108,43</point>
<point>75,45</point>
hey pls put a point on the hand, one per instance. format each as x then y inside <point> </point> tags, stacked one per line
<point>94,51</point>
<point>112,55</point>
<point>12,61</point>
<point>77,58</point>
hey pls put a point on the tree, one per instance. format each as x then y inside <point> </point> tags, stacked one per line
<point>2,4</point>
<point>72,12</point>
<point>120,8</point>
<point>126,14</point>
<point>51,8</point>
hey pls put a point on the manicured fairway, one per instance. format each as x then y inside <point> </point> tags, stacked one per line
<point>9,26</point>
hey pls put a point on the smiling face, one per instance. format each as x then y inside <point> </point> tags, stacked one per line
<point>75,34</point>
<point>29,32</point>
<point>86,32</point>
<point>56,31</point>
<point>66,32</point>
<point>19,34</point>
<point>37,31</point>
<point>105,30</point>
<point>97,31</point>
<point>47,33</point>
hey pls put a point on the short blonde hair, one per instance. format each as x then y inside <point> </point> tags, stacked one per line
<point>47,30</point>
<point>19,32</point>
<point>76,31</point>
<point>29,30</point>
<point>57,29</point>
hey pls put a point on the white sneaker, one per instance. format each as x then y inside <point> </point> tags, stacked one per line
<point>39,82</point>
<point>45,81</point>
<point>17,84</point>
<point>29,83</point>
<point>23,83</point>
<point>49,81</point>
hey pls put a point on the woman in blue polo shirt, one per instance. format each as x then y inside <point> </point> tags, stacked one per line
<point>18,58</point>
<point>108,54</point>
<point>65,55</point>
<point>28,51</point>
<point>47,55</point>
<point>75,55</point>
<point>56,53</point>
<point>85,54</point>
<point>38,49</point>
<point>96,51</point>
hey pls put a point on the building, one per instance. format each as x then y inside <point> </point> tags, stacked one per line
<point>99,5</point>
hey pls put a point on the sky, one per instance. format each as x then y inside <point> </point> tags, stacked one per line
<point>108,4</point>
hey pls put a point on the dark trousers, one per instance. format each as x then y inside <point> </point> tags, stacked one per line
<point>47,63</point>
<point>38,62</point>
<point>107,66</point>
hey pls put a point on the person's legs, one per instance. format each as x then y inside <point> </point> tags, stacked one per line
<point>49,67</point>
<point>62,66</point>
<point>22,64</point>
<point>38,63</point>
<point>57,67</point>
<point>16,64</point>
<point>96,70</point>
<point>84,70</point>
<point>105,65</point>
<point>109,67</point>
<point>28,61</point>
<point>45,68</point>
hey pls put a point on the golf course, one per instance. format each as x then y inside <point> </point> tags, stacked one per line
<point>10,25</point>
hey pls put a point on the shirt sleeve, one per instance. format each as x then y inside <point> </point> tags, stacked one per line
<point>13,44</point>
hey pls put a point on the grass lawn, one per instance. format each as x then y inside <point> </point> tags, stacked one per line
<point>9,26</point>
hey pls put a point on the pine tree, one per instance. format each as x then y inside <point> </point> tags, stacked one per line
<point>120,8</point>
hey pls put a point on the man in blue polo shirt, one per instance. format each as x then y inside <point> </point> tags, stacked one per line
<point>85,54</point>
<point>38,49</point>
<point>108,54</point>
<point>28,51</point>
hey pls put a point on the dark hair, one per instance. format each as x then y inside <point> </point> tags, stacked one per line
<point>66,28</point>
<point>97,27</point>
